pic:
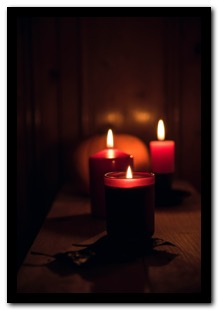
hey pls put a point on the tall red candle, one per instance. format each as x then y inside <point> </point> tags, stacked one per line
<point>107,160</point>
<point>162,153</point>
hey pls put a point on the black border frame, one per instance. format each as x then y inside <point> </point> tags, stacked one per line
<point>206,294</point>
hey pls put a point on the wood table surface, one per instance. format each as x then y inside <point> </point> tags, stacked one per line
<point>172,268</point>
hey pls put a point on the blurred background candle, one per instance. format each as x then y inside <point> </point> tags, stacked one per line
<point>162,154</point>
<point>107,160</point>
<point>129,204</point>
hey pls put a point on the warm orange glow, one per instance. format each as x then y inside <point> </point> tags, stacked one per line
<point>141,116</point>
<point>110,153</point>
<point>129,173</point>
<point>160,130</point>
<point>110,139</point>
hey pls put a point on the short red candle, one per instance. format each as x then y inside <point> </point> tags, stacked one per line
<point>107,160</point>
<point>162,153</point>
<point>129,204</point>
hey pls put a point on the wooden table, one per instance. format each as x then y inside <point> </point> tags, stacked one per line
<point>171,269</point>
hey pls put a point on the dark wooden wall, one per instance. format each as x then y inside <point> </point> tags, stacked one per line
<point>78,76</point>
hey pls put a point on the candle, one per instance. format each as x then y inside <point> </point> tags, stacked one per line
<point>162,157</point>
<point>162,152</point>
<point>129,204</point>
<point>107,160</point>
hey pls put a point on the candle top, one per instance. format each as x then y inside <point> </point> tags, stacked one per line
<point>110,153</point>
<point>164,142</point>
<point>118,179</point>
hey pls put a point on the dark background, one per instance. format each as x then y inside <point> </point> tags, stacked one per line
<point>78,75</point>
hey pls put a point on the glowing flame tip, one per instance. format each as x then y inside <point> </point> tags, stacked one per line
<point>110,139</point>
<point>160,130</point>
<point>129,173</point>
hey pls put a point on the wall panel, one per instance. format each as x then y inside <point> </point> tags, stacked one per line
<point>37,126</point>
<point>70,69</point>
<point>123,76</point>
<point>46,105</point>
<point>191,102</point>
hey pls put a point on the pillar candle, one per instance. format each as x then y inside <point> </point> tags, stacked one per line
<point>107,160</point>
<point>162,152</point>
<point>129,204</point>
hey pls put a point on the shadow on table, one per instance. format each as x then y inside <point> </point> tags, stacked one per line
<point>111,265</point>
<point>171,198</point>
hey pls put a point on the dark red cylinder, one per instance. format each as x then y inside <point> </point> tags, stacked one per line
<point>100,163</point>
<point>129,205</point>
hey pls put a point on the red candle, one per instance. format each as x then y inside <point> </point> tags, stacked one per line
<point>129,204</point>
<point>107,160</point>
<point>162,152</point>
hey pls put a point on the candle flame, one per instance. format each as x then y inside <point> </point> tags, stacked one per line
<point>160,130</point>
<point>110,139</point>
<point>129,173</point>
